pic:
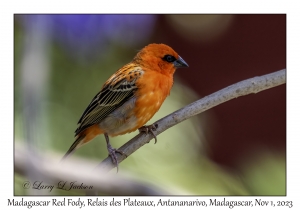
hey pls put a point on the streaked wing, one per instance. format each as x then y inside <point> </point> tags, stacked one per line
<point>118,89</point>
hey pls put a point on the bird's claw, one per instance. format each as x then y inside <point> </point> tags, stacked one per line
<point>149,128</point>
<point>112,153</point>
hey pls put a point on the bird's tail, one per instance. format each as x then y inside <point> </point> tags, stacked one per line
<point>83,138</point>
<point>77,143</point>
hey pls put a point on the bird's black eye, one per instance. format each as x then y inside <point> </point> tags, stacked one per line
<point>169,58</point>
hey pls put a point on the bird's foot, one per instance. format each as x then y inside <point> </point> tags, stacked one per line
<point>149,128</point>
<point>112,153</point>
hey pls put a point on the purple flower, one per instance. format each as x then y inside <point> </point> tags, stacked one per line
<point>86,35</point>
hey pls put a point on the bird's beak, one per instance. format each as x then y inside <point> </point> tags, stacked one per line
<point>180,63</point>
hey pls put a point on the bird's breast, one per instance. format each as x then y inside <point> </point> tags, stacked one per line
<point>153,90</point>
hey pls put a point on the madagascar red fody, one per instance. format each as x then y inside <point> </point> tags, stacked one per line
<point>130,97</point>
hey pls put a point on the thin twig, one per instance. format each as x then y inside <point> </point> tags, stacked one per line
<point>253,85</point>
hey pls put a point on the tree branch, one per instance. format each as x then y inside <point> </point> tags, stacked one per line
<point>50,170</point>
<point>253,85</point>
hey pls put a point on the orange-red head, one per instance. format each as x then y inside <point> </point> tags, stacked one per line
<point>159,57</point>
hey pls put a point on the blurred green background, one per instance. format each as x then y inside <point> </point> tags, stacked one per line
<point>61,62</point>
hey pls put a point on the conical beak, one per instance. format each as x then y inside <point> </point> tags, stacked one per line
<point>180,63</point>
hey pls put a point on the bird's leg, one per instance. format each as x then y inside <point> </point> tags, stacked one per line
<point>112,152</point>
<point>149,128</point>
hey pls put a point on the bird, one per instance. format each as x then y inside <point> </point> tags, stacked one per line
<point>129,98</point>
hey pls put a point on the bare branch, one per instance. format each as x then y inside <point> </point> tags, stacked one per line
<point>80,171</point>
<point>253,85</point>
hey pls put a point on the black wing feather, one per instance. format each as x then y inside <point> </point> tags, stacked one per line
<point>105,102</point>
